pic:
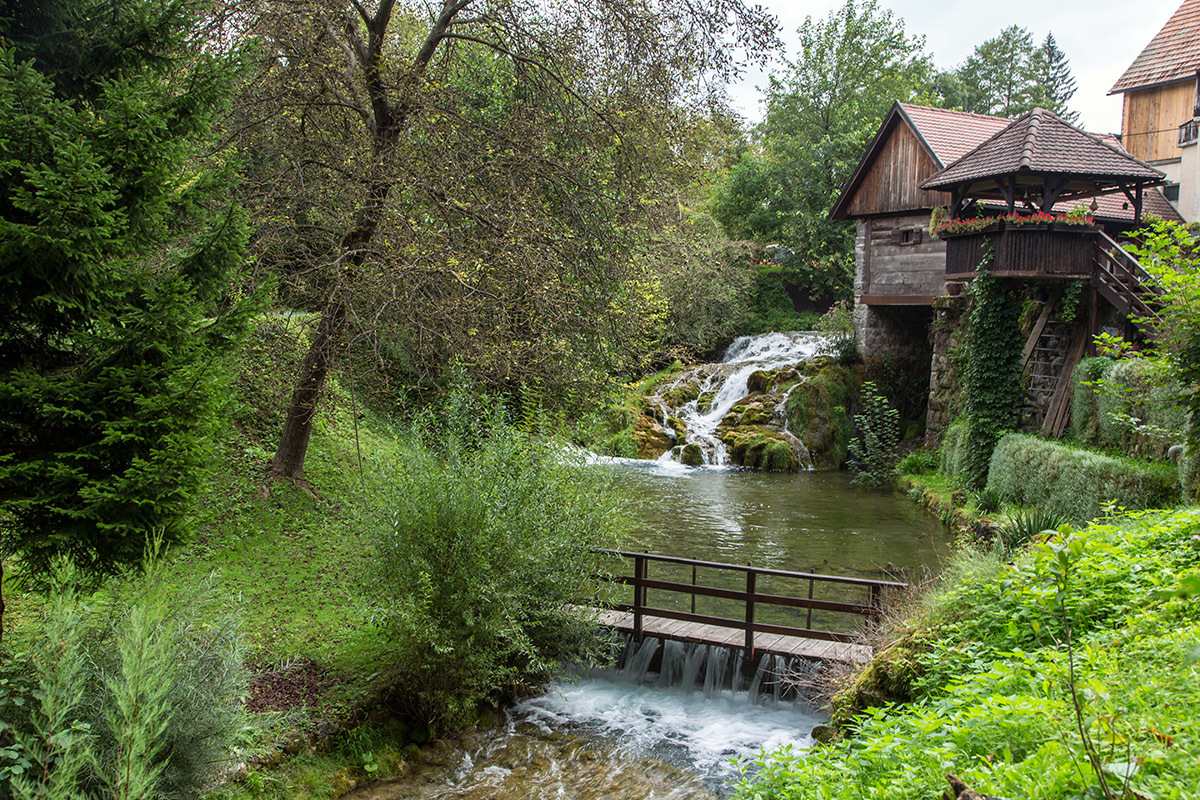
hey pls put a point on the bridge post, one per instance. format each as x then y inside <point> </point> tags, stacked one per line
<point>751,584</point>
<point>876,602</point>
<point>639,573</point>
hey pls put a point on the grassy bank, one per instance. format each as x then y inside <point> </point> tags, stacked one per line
<point>995,661</point>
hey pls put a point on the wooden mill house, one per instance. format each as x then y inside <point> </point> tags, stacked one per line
<point>908,283</point>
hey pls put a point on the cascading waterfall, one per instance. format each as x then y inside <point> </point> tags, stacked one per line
<point>722,385</point>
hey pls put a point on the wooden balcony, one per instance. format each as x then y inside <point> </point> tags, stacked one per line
<point>1065,252</point>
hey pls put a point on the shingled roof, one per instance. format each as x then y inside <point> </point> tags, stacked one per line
<point>1172,55</point>
<point>1039,143</point>
<point>950,134</point>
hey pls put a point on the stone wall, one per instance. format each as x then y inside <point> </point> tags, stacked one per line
<point>947,334</point>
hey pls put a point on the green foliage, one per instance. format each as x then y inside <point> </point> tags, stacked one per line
<point>137,699</point>
<point>954,450</point>
<point>1009,75</point>
<point>117,244</point>
<point>490,546</point>
<point>1075,483</point>
<point>994,685</point>
<point>876,446</point>
<point>987,501</point>
<point>1129,405</point>
<point>921,461</point>
<point>820,115</point>
<point>1020,529</point>
<point>771,306</point>
<point>992,393</point>
<point>1167,250</point>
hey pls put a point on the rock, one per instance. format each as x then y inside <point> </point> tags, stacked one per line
<point>760,381</point>
<point>823,734</point>
<point>692,455</point>
<point>651,438</point>
<point>964,792</point>
<point>679,427</point>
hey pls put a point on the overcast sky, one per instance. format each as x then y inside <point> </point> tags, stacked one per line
<point>1099,38</point>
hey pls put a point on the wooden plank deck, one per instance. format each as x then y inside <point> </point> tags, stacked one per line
<point>773,644</point>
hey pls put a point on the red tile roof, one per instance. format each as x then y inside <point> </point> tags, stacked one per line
<point>1173,54</point>
<point>1040,142</point>
<point>952,134</point>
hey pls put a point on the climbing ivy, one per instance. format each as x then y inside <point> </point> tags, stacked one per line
<point>992,391</point>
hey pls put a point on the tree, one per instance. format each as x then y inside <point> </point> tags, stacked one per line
<point>117,245</point>
<point>1055,86</point>
<point>482,137</point>
<point>821,113</point>
<point>1008,75</point>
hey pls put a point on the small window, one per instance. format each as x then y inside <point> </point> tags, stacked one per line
<point>1171,192</point>
<point>910,236</point>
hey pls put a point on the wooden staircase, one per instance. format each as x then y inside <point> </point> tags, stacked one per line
<point>1054,347</point>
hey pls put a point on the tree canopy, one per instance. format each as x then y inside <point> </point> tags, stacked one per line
<point>821,113</point>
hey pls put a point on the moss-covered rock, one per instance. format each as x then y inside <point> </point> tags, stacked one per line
<point>704,401</point>
<point>760,381</point>
<point>651,439</point>
<point>678,426</point>
<point>818,413</point>
<point>887,680</point>
<point>691,455</point>
<point>759,447</point>
<point>680,395</point>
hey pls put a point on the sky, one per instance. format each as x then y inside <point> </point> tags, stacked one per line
<point>1099,38</point>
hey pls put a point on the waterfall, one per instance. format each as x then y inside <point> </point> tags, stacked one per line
<point>720,387</point>
<point>709,670</point>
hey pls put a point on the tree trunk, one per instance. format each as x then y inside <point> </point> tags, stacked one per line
<point>297,428</point>
<point>1,599</point>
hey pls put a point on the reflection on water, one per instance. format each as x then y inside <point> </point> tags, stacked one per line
<point>611,735</point>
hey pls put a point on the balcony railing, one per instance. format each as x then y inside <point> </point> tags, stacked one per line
<point>1189,132</point>
<point>1026,251</point>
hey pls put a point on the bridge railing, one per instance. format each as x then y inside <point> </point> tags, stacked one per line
<point>751,597</point>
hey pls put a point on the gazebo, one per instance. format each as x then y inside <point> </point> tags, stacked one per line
<point>1040,161</point>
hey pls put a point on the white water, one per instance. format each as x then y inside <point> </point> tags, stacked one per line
<point>621,734</point>
<point>728,379</point>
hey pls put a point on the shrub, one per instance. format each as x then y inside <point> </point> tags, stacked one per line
<point>490,547</point>
<point>136,700</point>
<point>954,449</point>
<point>876,447</point>
<point>918,462</point>
<point>1020,529</point>
<point>1073,482</point>
<point>1085,423</point>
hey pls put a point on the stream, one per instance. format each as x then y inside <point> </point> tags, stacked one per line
<point>626,732</point>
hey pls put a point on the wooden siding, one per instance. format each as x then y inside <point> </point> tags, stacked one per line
<point>888,269</point>
<point>893,182</point>
<point>1151,118</point>
<point>1028,251</point>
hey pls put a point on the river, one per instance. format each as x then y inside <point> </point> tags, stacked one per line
<point>621,733</point>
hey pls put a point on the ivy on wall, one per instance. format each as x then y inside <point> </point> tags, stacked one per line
<point>991,385</point>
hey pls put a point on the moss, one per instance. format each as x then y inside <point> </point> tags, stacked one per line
<point>704,401</point>
<point>677,425</point>
<point>887,680</point>
<point>760,381</point>
<point>691,455</point>
<point>817,413</point>
<point>682,394</point>
<point>759,447</point>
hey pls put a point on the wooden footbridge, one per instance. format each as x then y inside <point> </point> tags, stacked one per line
<point>762,599</point>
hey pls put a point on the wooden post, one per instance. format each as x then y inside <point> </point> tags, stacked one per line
<point>693,586</point>
<point>808,621</point>
<point>876,602</point>
<point>751,583</point>
<point>639,574</point>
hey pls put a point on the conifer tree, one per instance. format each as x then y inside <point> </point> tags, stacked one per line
<point>117,248</point>
<point>1055,86</point>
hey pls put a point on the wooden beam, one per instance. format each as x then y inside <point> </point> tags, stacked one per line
<point>896,300</point>
<point>1058,412</point>
<point>1039,326</point>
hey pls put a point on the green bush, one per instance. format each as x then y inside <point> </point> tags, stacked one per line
<point>142,698</point>
<point>919,462</point>
<point>1076,483</point>
<point>1085,423</point>
<point>954,450</point>
<point>1023,526</point>
<point>490,547</point>
<point>876,447</point>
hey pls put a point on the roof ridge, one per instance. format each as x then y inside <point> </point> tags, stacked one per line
<point>1031,132</point>
<point>955,111</point>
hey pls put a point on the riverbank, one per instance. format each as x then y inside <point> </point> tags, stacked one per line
<point>1029,675</point>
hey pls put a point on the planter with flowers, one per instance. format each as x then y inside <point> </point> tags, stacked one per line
<point>1038,245</point>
